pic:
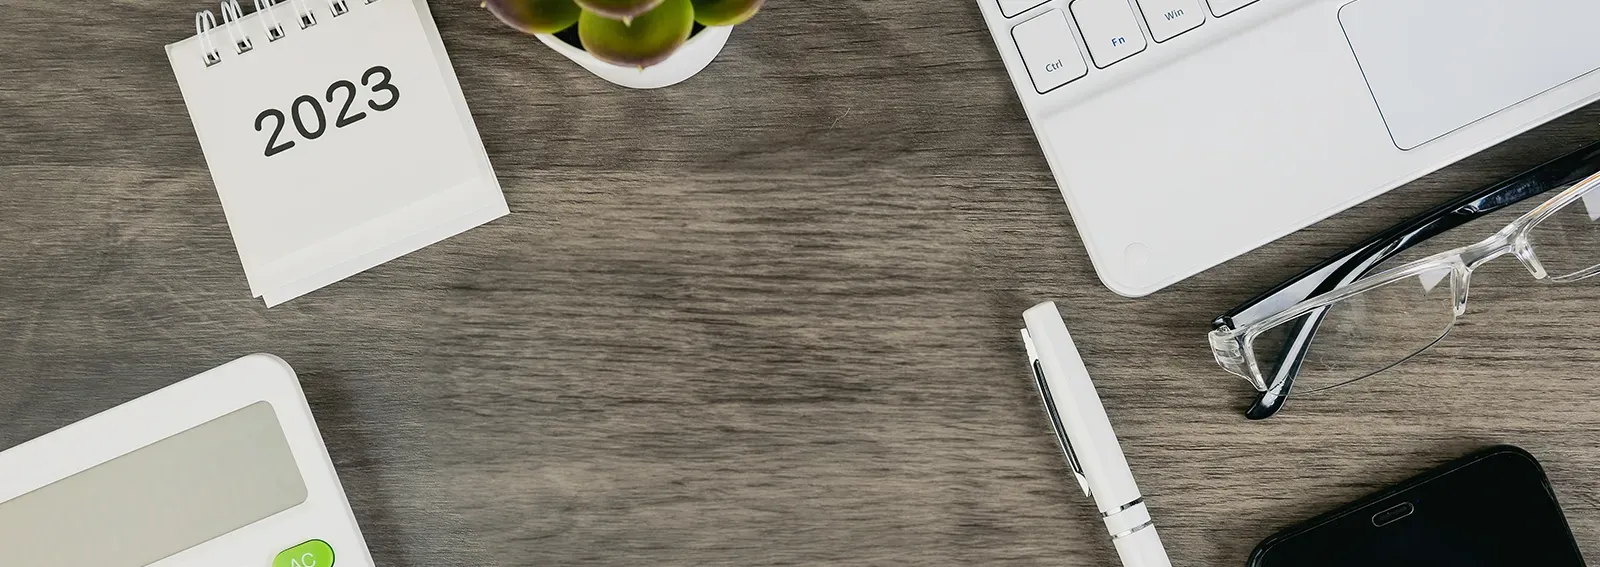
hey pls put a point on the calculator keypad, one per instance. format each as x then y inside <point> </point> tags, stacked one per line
<point>314,553</point>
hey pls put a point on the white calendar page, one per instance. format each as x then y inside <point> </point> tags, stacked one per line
<point>338,146</point>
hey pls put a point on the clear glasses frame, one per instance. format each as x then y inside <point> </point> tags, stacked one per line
<point>1233,337</point>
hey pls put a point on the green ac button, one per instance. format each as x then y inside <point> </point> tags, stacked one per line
<point>314,553</point>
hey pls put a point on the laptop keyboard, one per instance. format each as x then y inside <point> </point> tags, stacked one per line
<point>1110,29</point>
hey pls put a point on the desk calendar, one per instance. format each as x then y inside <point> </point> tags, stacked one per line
<point>336,134</point>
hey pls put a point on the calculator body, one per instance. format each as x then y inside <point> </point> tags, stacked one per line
<point>223,469</point>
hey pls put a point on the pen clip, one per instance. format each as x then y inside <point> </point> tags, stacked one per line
<point>1055,417</point>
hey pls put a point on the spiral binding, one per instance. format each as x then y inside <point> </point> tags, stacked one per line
<point>269,22</point>
<point>231,13</point>
<point>205,23</point>
<point>307,17</point>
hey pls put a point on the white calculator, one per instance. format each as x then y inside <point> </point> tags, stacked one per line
<point>225,469</point>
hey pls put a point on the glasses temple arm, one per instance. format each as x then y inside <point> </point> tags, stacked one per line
<point>1294,353</point>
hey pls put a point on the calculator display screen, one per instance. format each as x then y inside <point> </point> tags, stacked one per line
<point>159,500</point>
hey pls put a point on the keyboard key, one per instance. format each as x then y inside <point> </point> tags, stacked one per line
<point>1110,29</point>
<point>1048,51</point>
<point>1222,7</point>
<point>1014,8</point>
<point>1168,18</point>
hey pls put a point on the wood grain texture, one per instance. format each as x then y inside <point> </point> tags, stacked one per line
<point>765,317</point>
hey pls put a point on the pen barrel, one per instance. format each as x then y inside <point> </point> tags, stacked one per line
<point>1079,416</point>
<point>1142,548</point>
<point>1134,534</point>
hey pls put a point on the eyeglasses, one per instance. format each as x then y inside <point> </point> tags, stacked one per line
<point>1335,324</point>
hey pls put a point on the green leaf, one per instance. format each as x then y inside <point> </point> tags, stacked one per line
<point>535,16</point>
<point>725,12</point>
<point>648,39</point>
<point>619,9</point>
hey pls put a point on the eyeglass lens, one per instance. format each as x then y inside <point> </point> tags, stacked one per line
<point>1363,335</point>
<point>1374,331</point>
<point>1567,244</point>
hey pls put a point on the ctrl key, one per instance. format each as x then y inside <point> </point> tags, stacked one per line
<point>1049,52</point>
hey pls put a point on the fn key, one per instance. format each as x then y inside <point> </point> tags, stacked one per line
<point>1048,51</point>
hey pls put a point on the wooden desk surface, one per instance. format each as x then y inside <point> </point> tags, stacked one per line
<point>764,317</point>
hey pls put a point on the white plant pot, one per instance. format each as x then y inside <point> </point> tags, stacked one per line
<point>688,60</point>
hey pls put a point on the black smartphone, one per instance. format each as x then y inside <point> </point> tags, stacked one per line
<point>1493,508</point>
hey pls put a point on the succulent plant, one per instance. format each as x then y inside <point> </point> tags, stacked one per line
<point>724,12</point>
<point>618,9</point>
<point>634,33</point>
<point>535,16</point>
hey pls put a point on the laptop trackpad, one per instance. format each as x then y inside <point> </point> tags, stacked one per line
<point>1437,65</point>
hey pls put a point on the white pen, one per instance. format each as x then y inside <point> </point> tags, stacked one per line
<point>1086,437</point>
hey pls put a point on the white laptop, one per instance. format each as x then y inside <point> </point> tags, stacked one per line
<point>1186,132</point>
